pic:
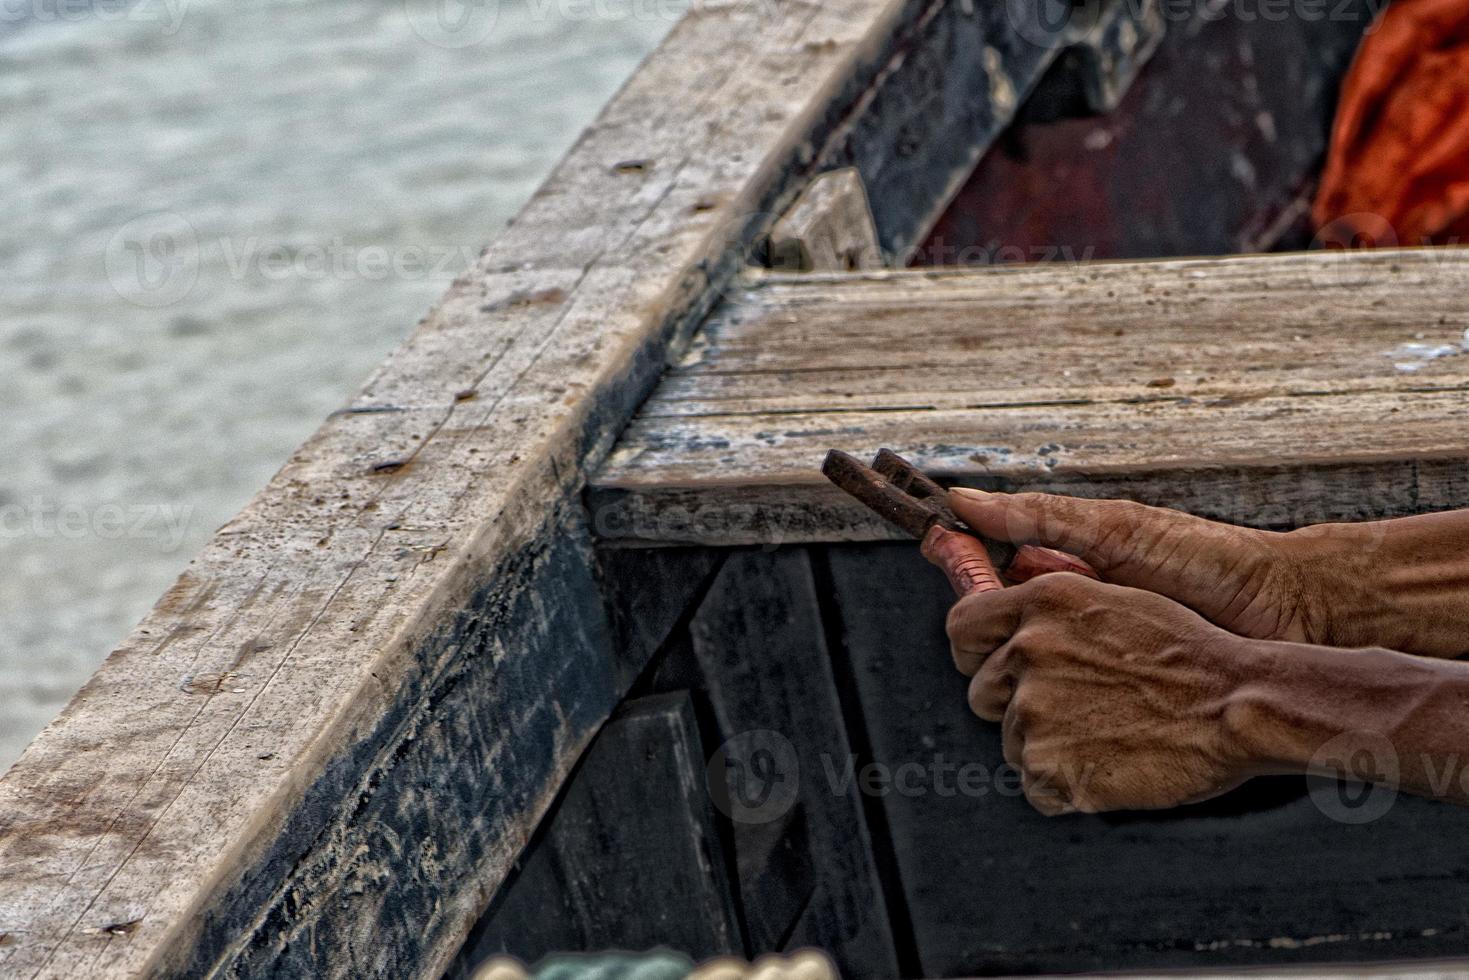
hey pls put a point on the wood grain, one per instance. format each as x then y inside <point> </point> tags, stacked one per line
<point>1269,389</point>
<point>322,750</point>
<point>807,876</point>
<point>828,229</point>
<point>631,857</point>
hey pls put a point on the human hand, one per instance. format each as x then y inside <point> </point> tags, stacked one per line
<point>1402,584</point>
<point>1110,697</point>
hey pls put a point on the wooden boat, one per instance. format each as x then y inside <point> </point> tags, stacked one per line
<point>457,679</point>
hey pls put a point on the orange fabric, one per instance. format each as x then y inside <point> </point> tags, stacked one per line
<point>1398,167</point>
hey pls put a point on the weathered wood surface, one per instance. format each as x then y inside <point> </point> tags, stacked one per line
<point>649,593</point>
<point>1215,150</point>
<point>1270,875</point>
<point>828,229</point>
<point>631,857</point>
<point>1285,389</point>
<point>313,755</point>
<point>751,657</point>
<point>1117,41</point>
<point>806,871</point>
<point>954,84</point>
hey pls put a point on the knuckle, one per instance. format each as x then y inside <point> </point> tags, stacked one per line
<point>979,702</point>
<point>1125,515</point>
<point>965,660</point>
<point>1033,762</point>
<point>1022,647</point>
<point>1011,748</point>
<point>1028,709</point>
<point>963,616</point>
<point>1047,588</point>
<point>988,698</point>
<point>1037,640</point>
<point>995,700</point>
<point>1122,526</point>
<point>1041,505</point>
<point>1046,802</point>
<point>973,618</point>
<point>1058,591</point>
<point>995,671</point>
<point>1086,801</point>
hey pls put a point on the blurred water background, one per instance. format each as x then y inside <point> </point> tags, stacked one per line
<point>218,215</point>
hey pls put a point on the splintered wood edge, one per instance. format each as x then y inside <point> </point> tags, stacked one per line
<point>229,791</point>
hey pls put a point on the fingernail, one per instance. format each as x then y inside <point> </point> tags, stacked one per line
<point>1031,562</point>
<point>970,494</point>
<point>933,542</point>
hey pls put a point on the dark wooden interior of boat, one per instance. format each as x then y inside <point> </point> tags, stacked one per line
<point>1214,149</point>
<point>555,638</point>
<point>799,669</point>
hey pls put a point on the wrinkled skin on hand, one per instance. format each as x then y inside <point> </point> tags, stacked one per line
<point>1402,584</point>
<point>1208,653</point>
<point>1110,698</point>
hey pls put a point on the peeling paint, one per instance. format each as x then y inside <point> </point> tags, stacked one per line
<point>1002,90</point>
<point>1413,356</point>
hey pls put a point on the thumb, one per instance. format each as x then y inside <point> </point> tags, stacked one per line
<point>1127,543</point>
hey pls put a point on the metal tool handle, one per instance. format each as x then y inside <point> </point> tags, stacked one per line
<point>905,496</point>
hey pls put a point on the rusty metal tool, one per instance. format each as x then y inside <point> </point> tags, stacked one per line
<point>907,477</point>
<point>902,494</point>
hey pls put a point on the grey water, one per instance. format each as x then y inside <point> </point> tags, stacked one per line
<point>218,216</point>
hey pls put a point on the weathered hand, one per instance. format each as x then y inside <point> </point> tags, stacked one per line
<point>1111,698</point>
<point>1402,584</point>
<point>1244,580</point>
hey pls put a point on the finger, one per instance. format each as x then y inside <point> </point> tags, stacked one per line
<point>1032,561</point>
<point>1012,740</point>
<point>994,685</point>
<point>964,559</point>
<point>1127,543</point>
<point>1046,792</point>
<point>1043,787</point>
<point>981,623</point>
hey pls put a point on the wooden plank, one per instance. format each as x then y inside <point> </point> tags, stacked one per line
<point>186,810</point>
<point>828,229</point>
<point>649,592</point>
<point>631,857</point>
<point>1326,385</point>
<point>949,91</point>
<point>1262,877</point>
<point>807,874</point>
<point>1286,324</point>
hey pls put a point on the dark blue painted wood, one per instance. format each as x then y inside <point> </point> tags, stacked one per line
<point>1260,877</point>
